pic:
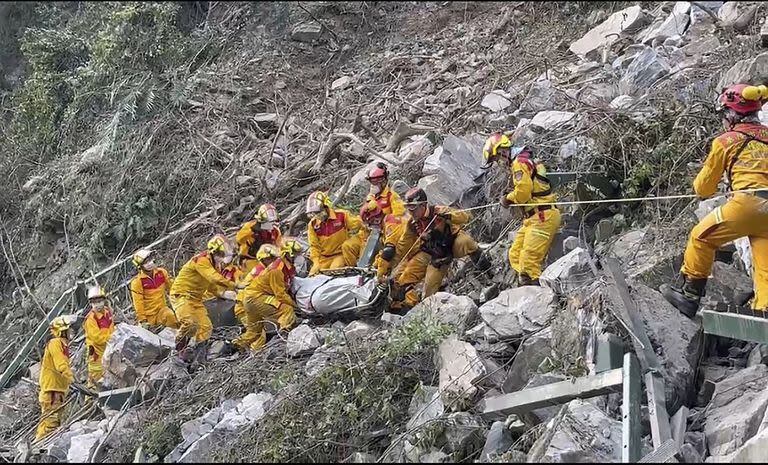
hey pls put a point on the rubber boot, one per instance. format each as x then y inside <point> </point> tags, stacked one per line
<point>686,299</point>
<point>229,349</point>
<point>526,280</point>
<point>480,261</point>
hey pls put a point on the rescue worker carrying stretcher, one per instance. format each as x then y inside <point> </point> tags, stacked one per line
<point>148,292</point>
<point>55,378</point>
<point>392,227</point>
<point>268,298</point>
<point>263,229</point>
<point>195,277</point>
<point>741,153</point>
<point>98,327</point>
<point>540,223</point>
<point>436,232</point>
<point>331,232</point>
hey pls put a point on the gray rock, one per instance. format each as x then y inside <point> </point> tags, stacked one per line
<point>736,410</point>
<point>496,375</point>
<point>675,24</point>
<point>498,441</point>
<point>644,255</point>
<point>319,360</point>
<point>81,447</point>
<point>701,47</point>
<point>391,320</point>
<point>531,354</point>
<point>357,331</point>
<point>460,368</point>
<point>130,348</point>
<point>435,457</point>
<point>451,170</point>
<point>647,67</point>
<point>750,70</point>
<point>517,312</point>
<point>568,150</point>
<point>622,22</point>
<point>464,433</point>
<point>568,272</point>
<point>303,340</point>
<point>544,414</point>
<point>571,243</point>
<point>727,286</point>
<point>541,96</point>
<point>604,230</point>
<point>307,32</point>
<point>698,440</point>
<point>759,355</point>
<point>753,451</point>
<point>457,311</point>
<point>552,119</point>
<point>341,83</point>
<point>707,206</point>
<point>690,455</point>
<point>497,100</point>
<point>425,406</point>
<point>622,102</point>
<point>362,457</point>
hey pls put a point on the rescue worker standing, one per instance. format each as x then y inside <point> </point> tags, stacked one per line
<point>540,223</point>
<point>741,153</point>
<point>55,378</point>
<point>268,298</point>
<point>440,237</point>
<point>263,229</point>
<point>148,292</point>
<point>196,276</point>
<point>98,327</point>
<point>331,234</point>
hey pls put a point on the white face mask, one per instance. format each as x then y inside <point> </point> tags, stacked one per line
<point>99,304</point>
<point>267,226</point>
<point>149,266</point>
<point>375,189</point>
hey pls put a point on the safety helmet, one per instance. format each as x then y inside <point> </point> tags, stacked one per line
<point>370,210</point>
<point>743,98</point>
<point>60,325</point>
<point>217,244</point>
<point>140,257</point>
<point>291,247</point>
<point>377,173</point>
<point>493,144</point>
<point>316,201</point>
<point>415,196</point>
<point>96,292</point>
<point>267,251</point>
<point>266,213</point>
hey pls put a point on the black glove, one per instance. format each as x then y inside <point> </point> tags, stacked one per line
<point>442,261</point>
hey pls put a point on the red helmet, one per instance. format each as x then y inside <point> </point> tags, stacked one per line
<point>377,172</point>
<point>371,211</point>
<point>743,98</point>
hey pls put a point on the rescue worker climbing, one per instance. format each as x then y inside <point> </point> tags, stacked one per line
<point>437,231</point>
<point>98,327</point>
<point>55,378</point>
<point>741,153</point>
<point>268,298</point>
<point>148,292</point>
<point>196,276</point>
<point>331,232</point>
<point>392,227</point>
<point>263,229</point>
<point>540,223</point>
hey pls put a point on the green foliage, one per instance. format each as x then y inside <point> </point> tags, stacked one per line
<point>161,438</point>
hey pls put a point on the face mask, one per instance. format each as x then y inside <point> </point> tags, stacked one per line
<point>267,226</point>
<point>321,216</point>
<point>98,304</point>
<point>149,266</point>
<point>227,259</point>
<point>375,189</point>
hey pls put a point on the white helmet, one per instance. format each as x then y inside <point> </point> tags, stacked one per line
<point>96,292</point>
<point>140,257</point>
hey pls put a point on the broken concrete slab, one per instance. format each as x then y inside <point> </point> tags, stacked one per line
<point>460,368</point>
<point>624,22</point>
<point>457,311</point>
<point>116,398</point>
<point>517,312</point>
<point>568,272</point>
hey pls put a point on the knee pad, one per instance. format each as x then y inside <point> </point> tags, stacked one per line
<point>388,253</point>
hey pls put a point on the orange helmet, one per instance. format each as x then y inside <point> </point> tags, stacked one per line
<point>493,144</point>
<point>743,98</point>
<point>378,173</point>
<point>371,212</point>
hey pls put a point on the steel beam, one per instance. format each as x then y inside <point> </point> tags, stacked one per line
<point>677,424</point>
<point>657,409</point>
<point>735,326</point>
<point>631,432</point>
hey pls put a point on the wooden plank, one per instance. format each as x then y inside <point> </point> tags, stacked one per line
<point>666,453</point>
<point>631,432</point>
<point>657,409</point>
<point>678,424</point>
<point>519,402</point>
<point>735,326</point>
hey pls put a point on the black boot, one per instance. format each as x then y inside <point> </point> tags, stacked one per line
<point>687,298</point>
<point>480,261</point>
<point>526,280</point>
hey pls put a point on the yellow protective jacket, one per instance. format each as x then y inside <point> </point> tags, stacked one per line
<point>273,283</point>
<point>325,238</point>
<point>745,168</point>
<point>447,223</point>
<point>197,276</point>
<point>55,371</point>
<point>389,202</point>
<point>528,187</point>
<point>249,241</point>
<point>98,328</point>
<point>148,290</point>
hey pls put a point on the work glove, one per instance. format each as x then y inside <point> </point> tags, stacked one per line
<point>504,201</point>
<point>426,236</point>
<point>229,295</point>
<point>442,261</point>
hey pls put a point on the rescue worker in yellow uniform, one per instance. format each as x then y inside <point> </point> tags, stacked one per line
<point>267,254</point>
<point>148,292</point>
<point>741,153</point>
<point>268,298</point>
<point>263,229</point>
<point>331,232</point>
<point>392,227</point>
<point>98,328</point>
<point>436,232</point>
<point>540,222</point>
<point>55,378</point>
<point>195,278</point>
<point>381,194</point>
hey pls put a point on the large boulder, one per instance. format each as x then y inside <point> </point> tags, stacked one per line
<point>645,256</point>
<point>451,170</point>
<point>533,351</point>
<point>727,286</point>
<point>303,340</point>
<point>460,369</point>
<point>736,410</point>
<point>612,29</point>
<point>551,120</point>
<point>517,312</point>
<point>750,70</point>
<point>647,67</point>
<point>457,311</point>
<point>753,451</point>
<point>129,349</point>
<point>426,406</point>
<point>674,25</point>
<point>568,272</point>
<point>83,446</point>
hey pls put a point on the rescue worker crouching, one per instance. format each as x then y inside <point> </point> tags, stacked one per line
<point>540,223</point>
<point>55,378</point>
<point>440,239</point>
<point>392,227</point>
<point>741,153</point>
<point>195,277</point>
<point>263,229</point>
<point>98,327</point>
<point>148,292</point>
<point>267,298</point>
<point>331,232</point>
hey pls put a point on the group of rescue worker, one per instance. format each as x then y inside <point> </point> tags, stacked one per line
<point>418,242</point>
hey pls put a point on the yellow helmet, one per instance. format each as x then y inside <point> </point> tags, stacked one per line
<point>217,244</point>
<point>96,292</point>
<point>266,213</point>
<point>267,251</point>
<point>60,325</point>
<point>291,247</point>
<point>141,256</point>
<point>316,201</point>
<point>493,144</point>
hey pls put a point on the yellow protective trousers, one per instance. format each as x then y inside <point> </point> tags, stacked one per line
<point>258,310</point>
<point>95,368</point>
<point>164,317</point>
<point>51,414</point>
<point>328,263</point>
<point>533,241</point>
<point>743,215</point>
<point>193,318</point>
<point>351,249</point>
<point>419,267</point>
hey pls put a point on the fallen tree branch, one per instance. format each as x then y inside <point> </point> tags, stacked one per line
<point>272,150</point>
<point>403,131</point>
